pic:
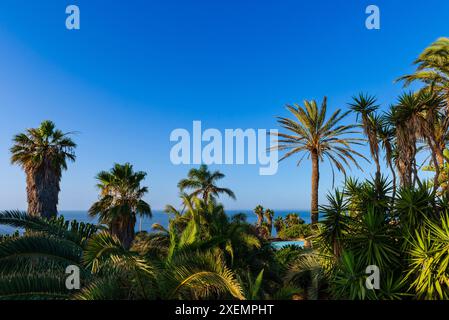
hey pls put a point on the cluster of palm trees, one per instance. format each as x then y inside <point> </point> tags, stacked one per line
<point>416,122</point>
<point>264,223</point>
<point>403,230</point>
<point>399,226</point>
<point>405,236</point>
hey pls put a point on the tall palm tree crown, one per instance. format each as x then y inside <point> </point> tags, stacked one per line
<point>311,135</point>
<point>203,182</point>
<point>121,201</point>
<point>43,153</point>
<point>432,67</point>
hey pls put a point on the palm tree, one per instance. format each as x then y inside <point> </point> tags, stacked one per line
<point>185,273</point>
<point>365,106</point>
<point>259,213</point>
<point>430,119</point>
<point>279,224</point>
<point>319,139</point>
<point>403,116</point>
<point>203,182</point>
<point>292,219</point>
<point>385,134</point>
<point>33,266</point>
<point>432,68</point>
<point>269,214</point>
<point>192,260</point>
<point>335,224</point>
<point>43,153</point>
<point>416,116</point>
<point>120,201</point>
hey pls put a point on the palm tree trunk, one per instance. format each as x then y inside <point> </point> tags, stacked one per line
<point>124,231</point>
<point>414,166</point>
<point>315,183</point>
<point>336,248</point>
<point>270,225</point>
<point>43,191</point>
<point>393,176</point>
<point>436,178</point>
<point>32,195</point>
<point>259,220</point>
<point>378,174</point>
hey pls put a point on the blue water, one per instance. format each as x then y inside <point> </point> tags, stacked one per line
<point>282,244</point>
<point>162,218</point>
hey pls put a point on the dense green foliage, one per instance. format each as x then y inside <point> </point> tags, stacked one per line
<point>400,228</point>
<point>292,227</point>
<point>203,254</point>
<point>405,237</point>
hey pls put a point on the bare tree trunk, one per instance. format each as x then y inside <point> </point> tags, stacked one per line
<point>315,183</point>
<point>43,191</point>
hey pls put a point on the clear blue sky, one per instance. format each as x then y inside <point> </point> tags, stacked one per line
<point>139,69</point>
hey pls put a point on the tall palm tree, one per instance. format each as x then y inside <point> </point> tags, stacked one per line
<point>203,182</point>
<point>121,201</point>
<point>269,214</point>
<point>365,106</point>
<point>258,210</point>
<point>403,116</point>
<point>43,153</point>
<point>319,139</point>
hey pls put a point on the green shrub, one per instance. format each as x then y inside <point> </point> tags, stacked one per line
<point>295,231</point>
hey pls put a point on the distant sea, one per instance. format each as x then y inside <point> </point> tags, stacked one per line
<point>162,218</point>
